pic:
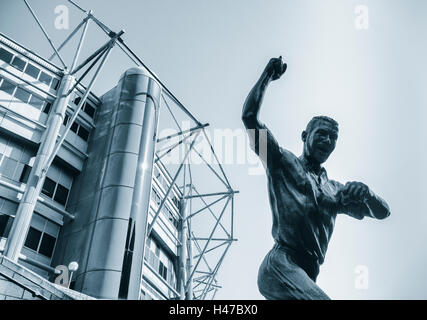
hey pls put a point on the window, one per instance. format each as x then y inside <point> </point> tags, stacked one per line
<point>77,128</point>
<point>47,107</point>
<point>36,102</point>
<point>89,110</point>
<point>49,187</point>
<point>18,63</point>
<point>32,71</point>
<point>66,118</point>
<point>33,239</point>
<point>47,244</point>
<point>45,78</point>
<point>61,194</point>
<point>5,55</point>
<point>74,127</point>
<point>40,242</point>
<point>163,271</point>
<point>83,133</point>
<point>22,95</point>
<point>55,83</point>
<point>55,191</point>
<point>8,167</point>
<point>25,174</point>
<point>7,87</point>
<point>5,225</point>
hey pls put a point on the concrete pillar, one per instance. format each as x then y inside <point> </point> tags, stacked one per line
<point>21,223</point>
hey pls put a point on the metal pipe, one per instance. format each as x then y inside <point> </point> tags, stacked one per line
<point>69,37</point>
<point>46,35</point>
<point>76,112</point>
<point>171,186</point>
<point>210,236</point>
<point>181,133</point>
<point>82,38</point>
<point>182,250</point>
<point>213,194</point>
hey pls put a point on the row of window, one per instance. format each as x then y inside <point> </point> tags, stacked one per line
<point>51,188</point>
<point>40,75</point>
<point>160,261</point>
<point>77,128</point>
<point>87,108</point>
<point>29,69</point>
<point>165,184</point>
<point>24,95</point>
<point>168,213</point>
<point>149,292</point>
<point>36,240</point>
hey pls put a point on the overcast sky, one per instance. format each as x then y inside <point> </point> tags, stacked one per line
<point>372,81</point>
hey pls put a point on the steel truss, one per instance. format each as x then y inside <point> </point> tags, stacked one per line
<point>198,268</point>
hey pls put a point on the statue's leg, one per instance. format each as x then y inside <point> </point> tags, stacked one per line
<point>279,278</point>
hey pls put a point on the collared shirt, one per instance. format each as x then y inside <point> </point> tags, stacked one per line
<point>304,204</point>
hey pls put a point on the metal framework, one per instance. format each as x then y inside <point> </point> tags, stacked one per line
<point>201,251</point>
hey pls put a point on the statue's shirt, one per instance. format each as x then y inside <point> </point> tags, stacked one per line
<point>304,205</point>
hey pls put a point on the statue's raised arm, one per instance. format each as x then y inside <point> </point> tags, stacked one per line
<point>261,140</point>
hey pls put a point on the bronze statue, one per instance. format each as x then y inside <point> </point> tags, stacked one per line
<point>303,201</point>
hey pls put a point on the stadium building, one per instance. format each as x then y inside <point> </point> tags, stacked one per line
<point>106,201</point>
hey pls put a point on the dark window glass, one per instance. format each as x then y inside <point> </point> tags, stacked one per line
<point>7,86</point>
<point>66,118</point>
<point>77,100</point>
<point>5,55</point>
<point>18,63</point>
<point>89,110</point>
<point>22,95</point>
<point>49,187</point>
<point>55,84</point>
<point>25,174</point>
<point>163,271</point>
<point>45,78</point>
<point>83,133</point>
<point>47,245</point>
<point>33,238</point>
<point>74,127</point>
<point>47,107</point>
<point>36,102</point>
<point>32,71</point>
<point>5,225</point>
<point>61,194</point>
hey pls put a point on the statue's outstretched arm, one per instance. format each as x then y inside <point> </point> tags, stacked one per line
<point>357,199</point>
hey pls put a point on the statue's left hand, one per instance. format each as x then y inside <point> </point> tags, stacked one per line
<point>354,192</point>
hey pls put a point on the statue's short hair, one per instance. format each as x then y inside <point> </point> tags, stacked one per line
<point>317,119</point>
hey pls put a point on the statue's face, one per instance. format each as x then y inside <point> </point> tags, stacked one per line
<point>320,141</point>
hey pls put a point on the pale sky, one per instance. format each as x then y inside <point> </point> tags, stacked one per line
<point>372,81</point>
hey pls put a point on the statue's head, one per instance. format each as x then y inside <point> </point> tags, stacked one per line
<point>320,138</point>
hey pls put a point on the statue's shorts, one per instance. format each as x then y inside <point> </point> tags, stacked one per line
<point>284,275</point>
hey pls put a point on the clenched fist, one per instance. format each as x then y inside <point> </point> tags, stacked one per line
<point>354,192</point>
<point>275,68</point>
